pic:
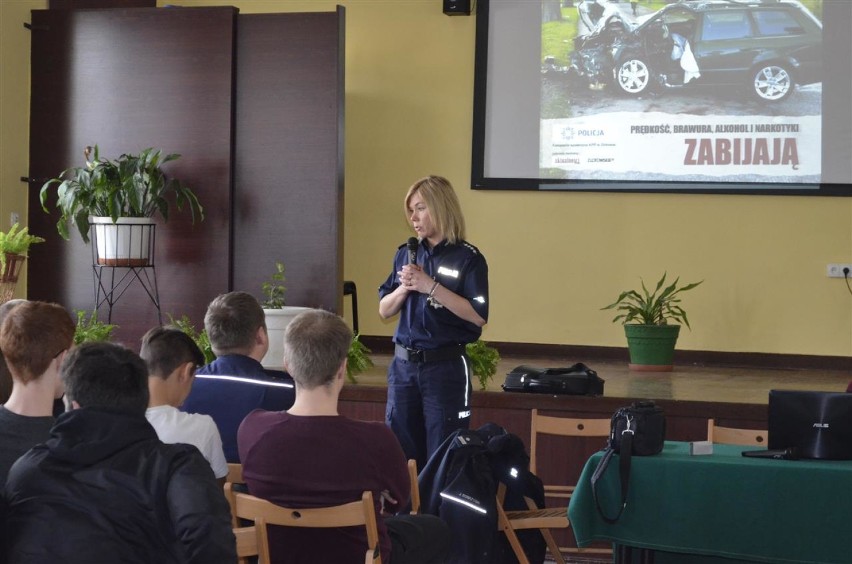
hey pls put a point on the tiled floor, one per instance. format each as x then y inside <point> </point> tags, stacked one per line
<point>699,383</point>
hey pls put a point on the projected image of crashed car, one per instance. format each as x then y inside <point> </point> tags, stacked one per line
<point>768,46</point>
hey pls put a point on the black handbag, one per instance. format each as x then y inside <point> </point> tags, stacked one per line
<point>578,380</point>
<point>638,430</point>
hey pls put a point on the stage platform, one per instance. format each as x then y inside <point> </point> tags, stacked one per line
<point>689,395</point>
<point>686,382</point>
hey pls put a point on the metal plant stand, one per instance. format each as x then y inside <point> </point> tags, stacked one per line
<point>122,254</point>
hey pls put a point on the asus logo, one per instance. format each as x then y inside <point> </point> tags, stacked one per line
<point>820,425</point>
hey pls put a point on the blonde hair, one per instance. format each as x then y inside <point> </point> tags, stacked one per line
<point>443,204</point>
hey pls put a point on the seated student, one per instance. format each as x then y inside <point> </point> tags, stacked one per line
<point>235,383</point>
<point>311,456</point>
<point>34,338</point>
<point>5,375</point>
<point>104,488</point>
<point>172,358</point>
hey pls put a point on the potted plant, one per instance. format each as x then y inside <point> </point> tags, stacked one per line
<point>646,317</point>
<point>14,245</point>
<point>278,316</point>
<point>127,191</point>
<point>483,360</point>
<point>199,337</point>
<point>91,329</point>
<point>358,360</point>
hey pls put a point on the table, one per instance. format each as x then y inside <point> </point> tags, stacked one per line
<point>725,505</point>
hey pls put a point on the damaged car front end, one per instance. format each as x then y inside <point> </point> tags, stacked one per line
<point>768,47</point>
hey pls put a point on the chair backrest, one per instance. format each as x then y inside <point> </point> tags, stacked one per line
<point>264,513</point>
<point>234,476</point>
<point>235,473</point>
<point>735,436</point>
<point>565,427</point>
<point>415,486</point>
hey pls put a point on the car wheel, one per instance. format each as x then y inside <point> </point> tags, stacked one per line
<point>772,83</point>
<point>633,76</point>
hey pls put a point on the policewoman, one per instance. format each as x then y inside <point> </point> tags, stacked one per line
<point>442,302</point>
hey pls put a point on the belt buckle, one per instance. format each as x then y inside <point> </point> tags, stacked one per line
<point>415,355</point>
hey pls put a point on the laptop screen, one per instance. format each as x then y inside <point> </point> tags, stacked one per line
<point>816,424</point>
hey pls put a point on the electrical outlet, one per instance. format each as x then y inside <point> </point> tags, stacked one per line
<point>14,218</point>
<point>836,270</point>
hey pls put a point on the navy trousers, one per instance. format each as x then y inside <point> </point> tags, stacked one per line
<point>427,401</point>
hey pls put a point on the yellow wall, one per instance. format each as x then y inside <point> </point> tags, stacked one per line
<point>15,112</point>
<point>555,258</point>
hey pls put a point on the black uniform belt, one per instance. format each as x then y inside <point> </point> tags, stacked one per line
<point>429,355</point>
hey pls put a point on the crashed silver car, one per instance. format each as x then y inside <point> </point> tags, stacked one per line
<point>768,46</point>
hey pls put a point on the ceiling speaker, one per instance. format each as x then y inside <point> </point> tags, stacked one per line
<point>457,7</point>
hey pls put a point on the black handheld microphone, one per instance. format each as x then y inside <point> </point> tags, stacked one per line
<point>412,250</point>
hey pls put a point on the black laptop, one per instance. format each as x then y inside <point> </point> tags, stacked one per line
<point>813,424</point>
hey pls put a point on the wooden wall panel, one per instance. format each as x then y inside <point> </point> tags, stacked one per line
<point>262,147</point>
<point>127,79</point>
<point>288,178</point>
<point>88,4</point>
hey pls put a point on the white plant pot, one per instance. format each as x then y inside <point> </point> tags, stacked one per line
<point>276,321</point>
<point>127,242</point>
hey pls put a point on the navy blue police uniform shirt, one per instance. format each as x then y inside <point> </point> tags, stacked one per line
<point>460,268</point>
<point>232,386</point>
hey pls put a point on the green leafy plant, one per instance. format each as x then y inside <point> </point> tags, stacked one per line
<point>483,359</point>
<point>652,308</point>
<point>358,359</point>
<point>130,186</point>
<point>16,241</point>
<point>91,329</point>
<point>200,337</point>
<point>273,289</point>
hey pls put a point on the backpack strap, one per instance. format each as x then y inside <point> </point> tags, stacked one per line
<point>625,457</point>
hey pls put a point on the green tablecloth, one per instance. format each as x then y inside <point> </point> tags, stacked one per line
<point>723,504</point>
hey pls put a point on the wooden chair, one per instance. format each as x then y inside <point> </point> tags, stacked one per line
<point>510,522</point>
<point>735,436</point>
<point>235,473</point>
<point>235,476</point>
<point>264,513</point>
<point>246,543</point>
<point>415,487</point>
<point>549,518</point>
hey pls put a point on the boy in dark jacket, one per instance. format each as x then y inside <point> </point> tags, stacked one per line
<point>104,488</point>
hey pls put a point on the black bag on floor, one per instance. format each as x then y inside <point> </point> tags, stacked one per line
<point>576,380</point>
